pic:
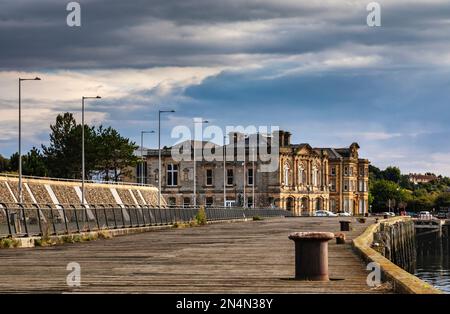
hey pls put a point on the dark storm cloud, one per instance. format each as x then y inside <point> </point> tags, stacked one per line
<point>140,33</point>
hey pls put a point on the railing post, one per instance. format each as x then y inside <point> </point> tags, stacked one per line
<point>112,207</point>
<point>39,219</point>
<point>24,219</point>
<point>7,218</point>
<point>52,217</point>
<point>87,218</point>
<point>160,215</point>
<point>106,216</point>
<point>143,214</point>
<point>76,218</point>
<point>137,215</point>
<point>96,216</point>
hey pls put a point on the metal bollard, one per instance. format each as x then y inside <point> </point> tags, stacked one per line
<point>345,225</point>
<point>311,255</point>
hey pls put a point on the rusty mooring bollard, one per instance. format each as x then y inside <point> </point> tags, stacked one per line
<point>345,225</point>
<point>311,255</point>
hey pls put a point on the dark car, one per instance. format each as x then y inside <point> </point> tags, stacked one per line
<point>442,215</point>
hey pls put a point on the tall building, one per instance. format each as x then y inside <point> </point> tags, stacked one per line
<point>305,180</point>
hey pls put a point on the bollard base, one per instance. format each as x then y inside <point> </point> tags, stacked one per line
<point>311,255</point>
<point>313,278</point>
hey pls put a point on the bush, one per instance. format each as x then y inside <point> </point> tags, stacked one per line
<point>8,243</point>
<point>200,218</point>
<point>256,218</point>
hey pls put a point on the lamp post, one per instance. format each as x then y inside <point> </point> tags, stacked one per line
<point>245,169</point>
<point>197,120</point>
<point>159,153</point>
<point>253,177</point>
<point>83,174</point>
<point>142,153</point>
<point>224,173</point>
<point>20,134</point>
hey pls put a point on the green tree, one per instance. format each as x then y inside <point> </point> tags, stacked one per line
<point>4,164</point>
<point>115,153</point>
<point>63,155</point>
<point>443,200</point>
<point>392,174</point>
<point>34,163</point>
<point>14,162</point>
<point>383,192</point>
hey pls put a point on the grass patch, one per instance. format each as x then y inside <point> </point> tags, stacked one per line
<point>200,218</point>
<point>9,243</point>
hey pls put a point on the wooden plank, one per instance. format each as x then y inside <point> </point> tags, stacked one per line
<point>243,257</point>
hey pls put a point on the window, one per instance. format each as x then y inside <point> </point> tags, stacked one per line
<point>346,205</point>
<point>249,201</point>
<point>301,175</point>
<point>230,178</point>
<point>333,185</point>
<point>361,206</point>
<point>250,176</point>
<point>333,205</point>
<point>286,174</point>
<point>346,171</point>
<point>186,201</point>
<point>361,171</point>
<point>315,177</point>
<point>361,185</point>
<point>209,201</point>
<point>350,171</point>
<point>186,175</point>
<point>172,175</point>
<point>346,185</point>
<point>333,171</point>
<point>209,177</point>
<point>172,201</point>
<point>141,172</point>
<point>156,175</point>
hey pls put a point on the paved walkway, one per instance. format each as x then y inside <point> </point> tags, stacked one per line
<point>240,257</point>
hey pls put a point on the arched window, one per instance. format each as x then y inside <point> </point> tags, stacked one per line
<point>286,173</point>
<point>315,176</point>
<point>301,174</point>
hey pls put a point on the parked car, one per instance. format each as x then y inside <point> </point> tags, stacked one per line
<point>344,214</point>
<point>442,214</point>
<point>424,214</point>
<point>324,213</point>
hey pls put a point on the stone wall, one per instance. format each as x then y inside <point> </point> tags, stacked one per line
<point>53,193</point>
<point>396,242</point>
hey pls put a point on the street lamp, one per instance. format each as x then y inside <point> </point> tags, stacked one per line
<point>159,153</point>
<point>20,134</point>
<point>253,177</point>
<point>83,201</point>
<point>142,153</point>
<point>197,120</point>
<point>224,173</point>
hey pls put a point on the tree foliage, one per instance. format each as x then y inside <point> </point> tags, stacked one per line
<point>107,153</point>
<point>390,184</point>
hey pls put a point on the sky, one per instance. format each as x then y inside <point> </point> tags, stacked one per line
<point>312,67</point>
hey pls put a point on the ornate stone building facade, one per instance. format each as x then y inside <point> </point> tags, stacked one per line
<point>307,179</point>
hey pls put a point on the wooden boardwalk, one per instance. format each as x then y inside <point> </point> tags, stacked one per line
<point>240,257</point>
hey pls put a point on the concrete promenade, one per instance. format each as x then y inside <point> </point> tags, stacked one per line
<point>239,257</point>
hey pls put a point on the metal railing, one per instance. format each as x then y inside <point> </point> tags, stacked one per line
<point>22,220</point>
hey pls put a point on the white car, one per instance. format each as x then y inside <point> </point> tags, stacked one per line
<point>324,213</point>
<point>344,214</point>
